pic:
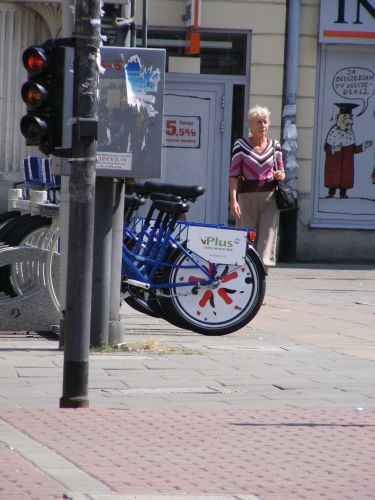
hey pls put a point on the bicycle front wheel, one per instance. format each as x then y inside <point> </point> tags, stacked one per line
<point>214,310</point>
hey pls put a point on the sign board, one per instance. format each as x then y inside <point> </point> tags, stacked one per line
<point>130,114</point>
<point>131,96</point>
<point>182,131</point>
<point>347,21</point>
<point>218,245</point>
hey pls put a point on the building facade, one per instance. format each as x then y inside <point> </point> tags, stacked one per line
<point>309,61</point>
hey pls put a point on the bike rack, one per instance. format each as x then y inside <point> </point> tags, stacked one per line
<point>37,308</point>
<point>35,267</point>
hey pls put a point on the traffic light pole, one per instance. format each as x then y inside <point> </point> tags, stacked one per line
<point>81,205</point>
<point>105,309</point>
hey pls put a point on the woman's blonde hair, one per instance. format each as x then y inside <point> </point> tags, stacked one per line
<point>258,111</point>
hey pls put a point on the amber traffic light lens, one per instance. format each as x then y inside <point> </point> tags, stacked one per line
<point>34,95</point>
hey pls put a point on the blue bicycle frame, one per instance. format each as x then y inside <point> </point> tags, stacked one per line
<point>132,272</point>
<point>140,268</point>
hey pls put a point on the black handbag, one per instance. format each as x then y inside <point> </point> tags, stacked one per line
<point>284,197</point>
<point>283,194</point>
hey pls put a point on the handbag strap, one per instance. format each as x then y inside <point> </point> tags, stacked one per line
<point>274,160</point>
<point>241,174</point>
<point>274,155</point>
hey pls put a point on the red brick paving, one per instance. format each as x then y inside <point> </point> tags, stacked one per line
<point>275,455</point>
<point>20,480</point>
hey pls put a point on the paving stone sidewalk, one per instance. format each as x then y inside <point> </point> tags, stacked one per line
<point>111,453</point>
<point>283,409</point>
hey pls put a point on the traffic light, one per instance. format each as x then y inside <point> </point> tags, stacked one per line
<point>43,95</point>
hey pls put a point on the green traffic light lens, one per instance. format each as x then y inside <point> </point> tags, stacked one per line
<point>33,128</point>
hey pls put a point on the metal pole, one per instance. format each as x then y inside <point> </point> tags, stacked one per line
<point>67,31</point>
<point>81,205</point>
<point>101,273</point>
<point>105,318</point>
<point>288,220</point>
<point>292,51</point>
<point>115,336</point>
<point>133,35</point>
<point>144,22</point>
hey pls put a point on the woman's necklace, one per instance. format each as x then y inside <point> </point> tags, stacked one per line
<point>259,147</point>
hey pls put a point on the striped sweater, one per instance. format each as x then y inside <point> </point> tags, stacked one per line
<point>254,169</point>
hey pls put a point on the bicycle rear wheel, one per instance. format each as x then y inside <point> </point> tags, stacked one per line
<point>143,301</point>
<point>213,310</point>
<point>138,301</point>
<point>7,216</point>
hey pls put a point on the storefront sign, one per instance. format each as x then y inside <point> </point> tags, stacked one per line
<point>182,131</point>
<point>347,21</point>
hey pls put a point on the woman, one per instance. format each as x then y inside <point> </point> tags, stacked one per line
<point>256,163</point>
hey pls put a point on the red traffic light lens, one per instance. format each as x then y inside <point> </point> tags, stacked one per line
<point>35,60</point>
<point>33,128</point>
<point>34,95</point>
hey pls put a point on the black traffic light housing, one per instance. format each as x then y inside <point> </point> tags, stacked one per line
<point>43,95</point>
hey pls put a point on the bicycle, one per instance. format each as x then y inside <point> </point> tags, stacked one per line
<point>138,197</point>
<point>202,277</point>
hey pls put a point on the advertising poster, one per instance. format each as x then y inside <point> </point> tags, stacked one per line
<point>221,246</point>
<point>345,142</point>
<point>182,131</point>
<point>131,92</point>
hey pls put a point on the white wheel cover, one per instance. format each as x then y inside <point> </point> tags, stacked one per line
<point>215,306</point>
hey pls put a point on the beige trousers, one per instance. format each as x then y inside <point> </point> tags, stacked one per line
<point>259,211</point>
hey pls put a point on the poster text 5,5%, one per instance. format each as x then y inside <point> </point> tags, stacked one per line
<point>186,132</point>
<point>173,129</point>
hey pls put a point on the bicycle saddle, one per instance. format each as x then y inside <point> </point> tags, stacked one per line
<point>164,196</point>
<point>132,198</point>
<point>170,207</point>
<point>139,189</point>
<point>186,192</point>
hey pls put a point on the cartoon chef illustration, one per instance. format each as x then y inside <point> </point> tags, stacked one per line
<point>340,148</point>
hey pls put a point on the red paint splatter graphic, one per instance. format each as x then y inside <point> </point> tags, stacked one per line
<point>206,297</point>
<point>228,277</point>
<point>223,293</point>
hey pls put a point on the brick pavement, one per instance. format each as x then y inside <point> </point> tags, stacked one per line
<point>300,454</point>
<point>283,410</point>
